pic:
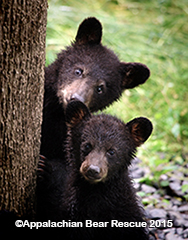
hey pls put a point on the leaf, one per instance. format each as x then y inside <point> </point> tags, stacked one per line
<point>184,188</point>
<point>176,130</point>
<point>141,194</point>
<point>164,183</point>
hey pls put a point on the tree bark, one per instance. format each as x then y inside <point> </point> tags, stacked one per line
<point>22,59</point>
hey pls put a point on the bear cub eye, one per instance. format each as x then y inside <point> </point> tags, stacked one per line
<point>100,89</point>
<point>87,148</point>
<point>78,72</point>
<point>111,152</point>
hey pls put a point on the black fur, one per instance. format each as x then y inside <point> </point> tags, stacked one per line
<point>86,71</point>
<point>94,183</point>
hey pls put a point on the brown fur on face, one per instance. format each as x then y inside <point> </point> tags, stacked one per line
<point>81,90</point>
<point>95,167</point>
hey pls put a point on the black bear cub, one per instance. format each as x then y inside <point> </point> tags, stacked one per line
<point>94,183</point>
<point>85,71</point>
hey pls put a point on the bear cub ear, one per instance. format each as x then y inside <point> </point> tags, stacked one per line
<point>89,32</point>
<point>134,74</point>
<point>76,111</point>
<point>140,130</point>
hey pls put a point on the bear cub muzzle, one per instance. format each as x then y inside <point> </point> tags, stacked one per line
<point>95,167</point>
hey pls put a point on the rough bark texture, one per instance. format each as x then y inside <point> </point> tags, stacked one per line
<point>22,59</point>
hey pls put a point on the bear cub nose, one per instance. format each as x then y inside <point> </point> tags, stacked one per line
<point>75,97</point>
<point>93,172</point>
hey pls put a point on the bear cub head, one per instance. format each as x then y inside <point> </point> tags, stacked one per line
<point>91,73</point>
<point>102,145</point>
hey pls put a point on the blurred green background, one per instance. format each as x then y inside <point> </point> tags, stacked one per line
<point>151,32</point>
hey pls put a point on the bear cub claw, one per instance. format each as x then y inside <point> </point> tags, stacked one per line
<point>44,168</point>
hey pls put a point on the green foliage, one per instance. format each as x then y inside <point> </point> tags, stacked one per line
<point>151,32</point>
<point>185,190</point>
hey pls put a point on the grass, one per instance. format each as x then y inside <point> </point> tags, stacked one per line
<point>151,32</point>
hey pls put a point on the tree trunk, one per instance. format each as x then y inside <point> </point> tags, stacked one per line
<point>22,59</point>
